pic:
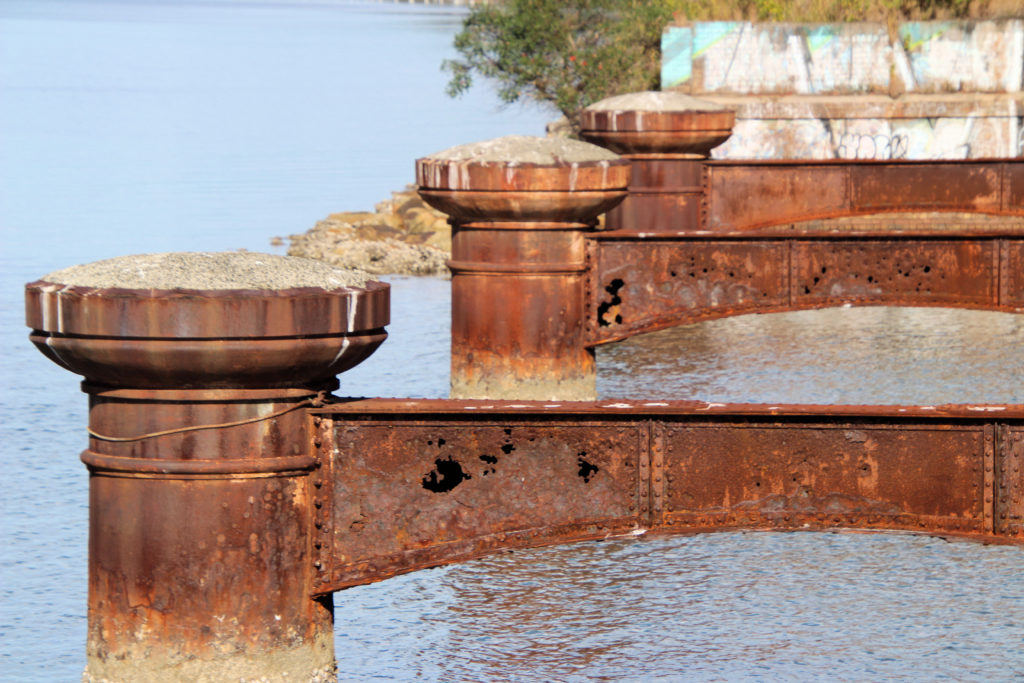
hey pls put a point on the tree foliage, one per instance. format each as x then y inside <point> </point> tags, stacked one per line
<point>571,53</point>
<point>568,54</point>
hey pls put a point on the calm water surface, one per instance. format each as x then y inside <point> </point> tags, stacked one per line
<point>175,125</point>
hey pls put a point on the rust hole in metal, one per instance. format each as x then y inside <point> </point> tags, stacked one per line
<point>587,469</point>
<point>489,460</point>
<point>608,310</point>
<point>895,272</point>
<point>446,475</point>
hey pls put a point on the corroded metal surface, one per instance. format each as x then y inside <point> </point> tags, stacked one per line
<point>665,196</point>
<point>196,338</point>
<point>698,239</point>
<point>639,286</point>
<point>518,271</point>
<point>635,132</point>
<point>201,505</point>
<point>825,473</point>
<point>1011,273</point>
<point>1009,473</point>
<point>748,195</point>
<point>419,483</point>
<point>952,272</point>
<point>410,494</point>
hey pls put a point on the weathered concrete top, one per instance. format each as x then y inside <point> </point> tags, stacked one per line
<point>519,163</point>
<point>525,149</point>
<point>209,271</point>
<point>655,101</point>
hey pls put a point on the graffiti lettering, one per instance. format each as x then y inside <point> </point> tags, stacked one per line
<point>881,146</point>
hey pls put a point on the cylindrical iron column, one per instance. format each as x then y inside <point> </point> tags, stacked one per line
<point>520,208</point>
<point>667,136</point>
<point>201,552</point>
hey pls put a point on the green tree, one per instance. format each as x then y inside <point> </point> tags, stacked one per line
<point>565,53</point>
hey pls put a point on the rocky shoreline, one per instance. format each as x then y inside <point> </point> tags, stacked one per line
<point>402,236</point>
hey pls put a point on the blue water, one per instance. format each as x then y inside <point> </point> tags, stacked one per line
<point>151,125</point>
<point>139,126</point>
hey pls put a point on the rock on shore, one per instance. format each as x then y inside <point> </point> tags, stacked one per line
<point>402,236</point>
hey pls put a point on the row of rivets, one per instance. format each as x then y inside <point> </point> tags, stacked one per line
<point>321,535</point>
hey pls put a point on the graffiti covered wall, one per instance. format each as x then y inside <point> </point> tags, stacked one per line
<point>937,90</point>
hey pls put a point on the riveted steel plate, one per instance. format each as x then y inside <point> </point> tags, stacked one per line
<point>748,195</point>
<point>1012,274</point>
<point>770,194</point>
<point>642,286</point>
<point>408,496</point>
<point>925,186</point>
<point>420,483</point>
<point>1009,493</point>
<point>851,474</point>
<point>896,271</point>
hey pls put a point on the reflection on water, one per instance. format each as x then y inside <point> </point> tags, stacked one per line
<point>719,607</point>
<point>846,355</point>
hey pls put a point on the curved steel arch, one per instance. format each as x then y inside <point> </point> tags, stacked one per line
<point>774,236</point>
<point>410,484</point>
<point>771,236</point>
<point>639,286</point>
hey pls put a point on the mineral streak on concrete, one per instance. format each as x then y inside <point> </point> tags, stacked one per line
<point>655,101</point>
<point>289,666</point>
<point>580,388</point>
<point>209,270</point>
<point>526,149</point>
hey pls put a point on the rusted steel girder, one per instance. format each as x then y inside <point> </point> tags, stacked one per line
<point>639,286</point>
<point>201,507</point>
<point>518,271</point>
<point>420,483</point>
<point>698,239</point>
<point>740,196</point>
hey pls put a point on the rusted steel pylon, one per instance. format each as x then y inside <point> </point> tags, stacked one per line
<point>519,266</point>
<point>666,137</point>
<point>202,503</point>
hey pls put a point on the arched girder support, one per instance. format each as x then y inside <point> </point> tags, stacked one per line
<point>638,286</point>
<point>410,484</point>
